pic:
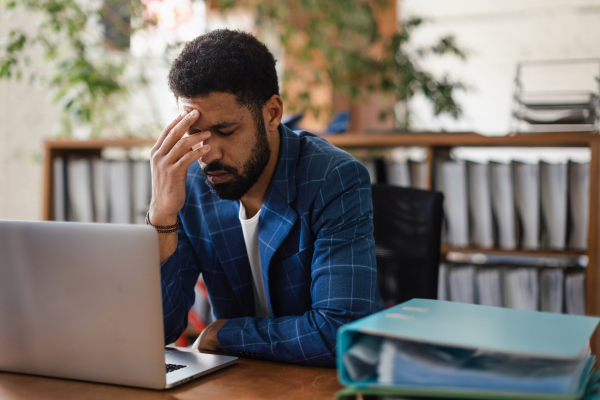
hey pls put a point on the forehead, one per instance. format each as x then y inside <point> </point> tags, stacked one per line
<point>215,108</point>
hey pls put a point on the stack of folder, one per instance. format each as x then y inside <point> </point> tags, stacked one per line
<point>514,205</point>
<point>95,189</point>
<point>431,348</point>
<point>524,287</point>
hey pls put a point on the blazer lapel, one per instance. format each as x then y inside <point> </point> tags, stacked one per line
<point>277,217</point>
<point>222,218</point>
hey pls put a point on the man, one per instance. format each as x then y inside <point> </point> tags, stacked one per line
<point>279,223</point>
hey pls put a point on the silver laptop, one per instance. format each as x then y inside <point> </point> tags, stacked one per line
<point>83,301</point>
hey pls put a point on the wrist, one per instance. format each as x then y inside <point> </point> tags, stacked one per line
<point>157,218</point>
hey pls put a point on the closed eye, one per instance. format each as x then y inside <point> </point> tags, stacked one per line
<point>224,134</point>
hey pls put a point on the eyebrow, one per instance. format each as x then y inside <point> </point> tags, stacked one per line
<point>222,125</point>
<point>219,126</point>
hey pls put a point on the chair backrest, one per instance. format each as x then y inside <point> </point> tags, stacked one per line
<point>408,225</point>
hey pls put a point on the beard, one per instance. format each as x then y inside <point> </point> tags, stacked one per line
<point>242,182</point>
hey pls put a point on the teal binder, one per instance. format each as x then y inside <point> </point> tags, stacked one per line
<point>491,329</point>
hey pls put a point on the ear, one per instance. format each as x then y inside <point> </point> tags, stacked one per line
<point>273,111</point>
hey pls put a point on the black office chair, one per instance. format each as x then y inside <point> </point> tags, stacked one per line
<point>408,226</point>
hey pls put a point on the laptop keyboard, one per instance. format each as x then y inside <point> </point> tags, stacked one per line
<point>174,367</point>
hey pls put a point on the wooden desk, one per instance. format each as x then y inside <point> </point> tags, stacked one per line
<point>248,379</point>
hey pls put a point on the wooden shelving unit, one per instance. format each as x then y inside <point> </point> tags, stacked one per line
<point>434,143</point>
<point>516,252</point>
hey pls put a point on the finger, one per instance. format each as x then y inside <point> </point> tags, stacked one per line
<point>177,132</point>
<point>185,145</point>
<point>166,131</point>
<point>193,155</point>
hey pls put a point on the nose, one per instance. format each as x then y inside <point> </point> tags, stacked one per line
<point>215,153</point>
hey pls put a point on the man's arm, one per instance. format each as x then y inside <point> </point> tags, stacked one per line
<point>171,156</point>
<point>344,279</point>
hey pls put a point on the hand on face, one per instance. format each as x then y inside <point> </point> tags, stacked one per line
<point>171,156</point>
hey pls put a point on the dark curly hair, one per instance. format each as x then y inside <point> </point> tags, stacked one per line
<point>226,61</point>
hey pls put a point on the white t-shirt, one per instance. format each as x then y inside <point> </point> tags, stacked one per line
<point>250,229</point>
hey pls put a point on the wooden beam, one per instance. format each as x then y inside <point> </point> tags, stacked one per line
<point>558,139</point>
<point>592,305</point>
<point>515,252</point>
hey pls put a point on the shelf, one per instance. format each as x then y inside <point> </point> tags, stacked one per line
<point>442,139</point>
<point>97,144</point>
<point>516,252</point>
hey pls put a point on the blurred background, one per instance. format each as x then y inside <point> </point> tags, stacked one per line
<point>469,48</point>
<point>403,85</point>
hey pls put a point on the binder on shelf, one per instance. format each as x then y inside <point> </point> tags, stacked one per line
<point>480,209</point>
<point>369,164</point>
<point>451,179</point>
<point>521,290</point>
<point>575,292</point>
<point>461,279</point>
<point>442,349</point>
<point>553,184</point>
<point>419,174</point>
<point>443,282</point>
<point>79,189</point>
<point>579,200</point>
<point>142,190</point>
<point>551,289</point>
<point>503,204</point>
<point>397,173</point>
<point>527,203</point>
<point>59,195</point>
<point>120,192</point>
<point>489,291</point>
<point>101,186</point>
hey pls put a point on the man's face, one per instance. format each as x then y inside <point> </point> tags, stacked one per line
<point>239,145</point>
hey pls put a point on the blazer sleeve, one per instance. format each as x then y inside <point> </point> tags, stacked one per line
<point>179,274</point>
<point>344,279</point>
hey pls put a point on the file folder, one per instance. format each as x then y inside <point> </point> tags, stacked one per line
<point>491,330</point>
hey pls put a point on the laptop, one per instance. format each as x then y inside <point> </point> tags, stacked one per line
<point>83,301</point>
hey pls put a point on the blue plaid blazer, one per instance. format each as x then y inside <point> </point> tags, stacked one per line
<point>316,250</point>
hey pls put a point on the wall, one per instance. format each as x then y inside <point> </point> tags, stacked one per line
<point>27,115</point>
<point>26,119</point>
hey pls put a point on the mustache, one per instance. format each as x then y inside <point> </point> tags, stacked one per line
<point>218,166</point>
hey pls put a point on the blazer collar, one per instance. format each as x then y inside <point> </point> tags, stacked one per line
<point>284,177</point>
<point>277,216</point>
